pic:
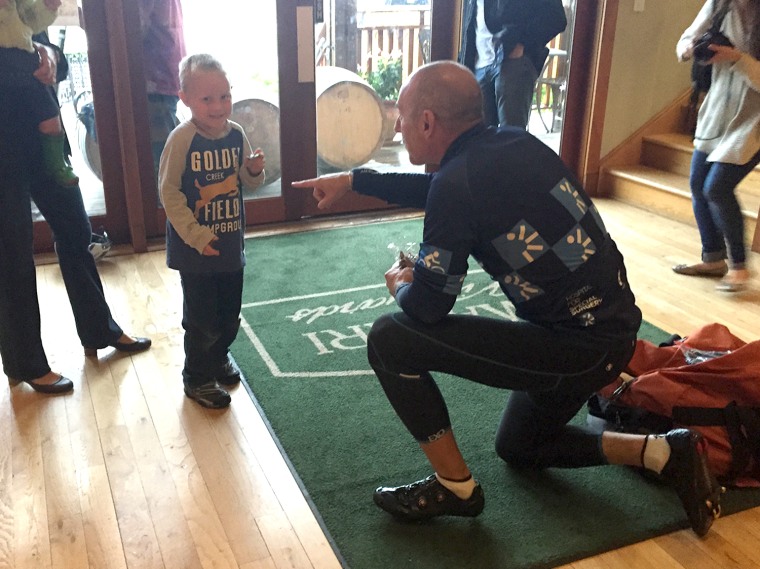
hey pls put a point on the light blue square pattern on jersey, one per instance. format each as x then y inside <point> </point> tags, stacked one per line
<point>575,248</point>
<point>598,219</point>
<point>521,245</point>
<point>520,290</point>
<point>566,194</point>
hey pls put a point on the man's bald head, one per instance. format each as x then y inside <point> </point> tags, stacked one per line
<point>450,91</point>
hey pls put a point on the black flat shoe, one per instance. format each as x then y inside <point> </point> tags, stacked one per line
<point>139,345</point>
<point>63,385</point>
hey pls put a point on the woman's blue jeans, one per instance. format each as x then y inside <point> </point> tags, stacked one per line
<point>716,208</point>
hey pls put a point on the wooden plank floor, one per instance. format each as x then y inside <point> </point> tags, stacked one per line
<point>126,472</point>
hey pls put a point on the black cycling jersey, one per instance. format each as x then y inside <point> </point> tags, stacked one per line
<point>506,199</point>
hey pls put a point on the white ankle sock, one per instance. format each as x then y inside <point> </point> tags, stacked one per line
<point>655,453</point>
<point>462,489</point>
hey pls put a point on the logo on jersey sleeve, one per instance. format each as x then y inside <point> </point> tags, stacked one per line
<point>438,261</point>
<point>435,259</point>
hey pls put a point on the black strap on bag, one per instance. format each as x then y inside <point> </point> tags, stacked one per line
<point>701,75</point>
<point>624,418</point>
<point>742,425</point>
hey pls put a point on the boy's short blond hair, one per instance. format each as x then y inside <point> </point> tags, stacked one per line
<point>191,64</point>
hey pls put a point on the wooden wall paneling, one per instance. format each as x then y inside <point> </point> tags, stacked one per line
<point>445,29</point>
<point>298,126</point>
<point>131,111</point>
<point>588,86</point>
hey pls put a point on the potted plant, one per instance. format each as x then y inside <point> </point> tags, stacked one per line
<point>385,79</point>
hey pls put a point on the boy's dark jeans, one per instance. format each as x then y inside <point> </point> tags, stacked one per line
<point>211,319</point>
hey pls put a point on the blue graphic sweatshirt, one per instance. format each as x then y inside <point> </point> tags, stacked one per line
<point>200,185</point>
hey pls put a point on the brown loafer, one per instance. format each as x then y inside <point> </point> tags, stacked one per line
<point>699,270</point>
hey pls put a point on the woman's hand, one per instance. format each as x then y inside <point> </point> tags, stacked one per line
<point>46,72</point>
<point>724,53</point>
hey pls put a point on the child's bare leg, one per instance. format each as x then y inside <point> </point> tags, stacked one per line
<point>51,126</point>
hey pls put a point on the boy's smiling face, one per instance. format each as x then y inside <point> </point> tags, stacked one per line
<point>209,99</point>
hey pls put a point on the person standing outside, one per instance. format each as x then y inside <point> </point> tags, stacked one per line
<point>504,44</point>
<point>506,199</point>
<point>726,141</point>
<point>163,47</point>
<point>201,169</point>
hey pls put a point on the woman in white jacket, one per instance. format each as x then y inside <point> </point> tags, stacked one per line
<point>727,138</point>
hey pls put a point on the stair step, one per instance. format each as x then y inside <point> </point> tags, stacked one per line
<point>663,192</point>
<point>654,190</point>
<point>672,152</point>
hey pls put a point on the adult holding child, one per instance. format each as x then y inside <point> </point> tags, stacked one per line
<point>726,141</point>
<point>22,179</point>
<point>507,200</point>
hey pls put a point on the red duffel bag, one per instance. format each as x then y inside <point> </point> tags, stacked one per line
<point>708,381</point>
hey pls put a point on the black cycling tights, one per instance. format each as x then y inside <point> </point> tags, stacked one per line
<point>550,377</point>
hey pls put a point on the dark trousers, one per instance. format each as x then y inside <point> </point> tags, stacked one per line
<point>716,209</point>
<point>162,117</point>
<point>211,319</point>
<point>507,88</point>
<point>551,377</point>
<point>22,179</point>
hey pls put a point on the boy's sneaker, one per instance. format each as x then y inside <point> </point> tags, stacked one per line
<point>426,499</point>
<point>688,472</point>
<point>230,373</point>
<point>209,395</point>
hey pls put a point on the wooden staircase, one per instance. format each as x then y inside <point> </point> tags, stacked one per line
<point>660,181</point>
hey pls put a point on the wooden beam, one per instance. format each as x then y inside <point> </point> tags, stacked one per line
<point>120,17</point>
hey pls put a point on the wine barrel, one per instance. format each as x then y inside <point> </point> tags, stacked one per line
<point>85,133</point>
<point>90,151</point>
<point>349,118</point>
<point>260,120</point>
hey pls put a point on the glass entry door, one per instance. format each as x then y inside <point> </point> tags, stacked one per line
<point>365,50</point>
<point>243,36</point>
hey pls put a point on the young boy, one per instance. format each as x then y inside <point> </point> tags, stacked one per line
<point>202,166</point>
<point>19,20</point>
